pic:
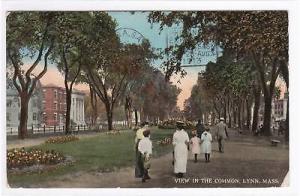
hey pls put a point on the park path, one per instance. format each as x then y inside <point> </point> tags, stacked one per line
<point>245,157</point>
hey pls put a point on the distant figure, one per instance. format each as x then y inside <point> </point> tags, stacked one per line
<point>222,134</point>
<point>180,143</point>
<point>200,128</point>
<point>206,140</point>
<point>145,148</point>
<point>195,145</point>
<point>138,156</point>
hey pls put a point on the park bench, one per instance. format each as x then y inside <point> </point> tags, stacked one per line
<point>275,142</point>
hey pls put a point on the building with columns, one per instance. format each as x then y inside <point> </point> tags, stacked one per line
<point>77,107</point>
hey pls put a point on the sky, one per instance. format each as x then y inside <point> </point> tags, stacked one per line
<point>139,22</point>
<point>137,25</point>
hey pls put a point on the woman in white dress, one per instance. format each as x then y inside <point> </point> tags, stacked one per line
<point>206,140</point>
<point>180,143</point>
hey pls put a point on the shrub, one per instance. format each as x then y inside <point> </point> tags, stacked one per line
<point>61,139</point>
<point>19,158</point>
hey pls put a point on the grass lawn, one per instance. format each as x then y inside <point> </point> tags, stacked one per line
<point>99,153</point>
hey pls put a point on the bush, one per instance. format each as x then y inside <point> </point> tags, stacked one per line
<point>19,158</point>
<point>61,139</point>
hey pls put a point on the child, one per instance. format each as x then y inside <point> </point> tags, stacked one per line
<point>206,140</point>
<point>145,148</point>
<point>195,145</point>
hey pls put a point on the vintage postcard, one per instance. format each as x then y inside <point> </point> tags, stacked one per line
<point>147,99</point>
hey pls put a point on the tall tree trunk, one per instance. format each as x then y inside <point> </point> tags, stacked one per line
<point>234,115</point>
<point>243,114</point>
<point>68,112</point>
<point>267,115</point>
<point>23,116</point>
<point>136,116</point>
<point>93,100</point>
<point>109,115</point>
<point>229,112</point>
<point>225,110</point>
<point>239,114</point>
<point>257,95</point>
<point>248,108</point>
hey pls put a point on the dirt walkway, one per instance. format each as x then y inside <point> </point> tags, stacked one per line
<point>245,163</point>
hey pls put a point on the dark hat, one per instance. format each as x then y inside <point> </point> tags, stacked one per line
<point>146,133</point>
<point>180,124</point>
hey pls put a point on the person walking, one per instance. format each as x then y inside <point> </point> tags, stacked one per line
<point>200,128</point>
<point>138,156</point>
<point>195,145</point>
<point>180,143</point>
<point>206,140</point>
<point>145,148</point>
<point>222,134</point>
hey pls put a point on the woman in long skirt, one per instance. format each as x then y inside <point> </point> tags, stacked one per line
<point>180,142</point>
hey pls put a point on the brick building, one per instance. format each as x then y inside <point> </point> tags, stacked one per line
<point>54,106</point>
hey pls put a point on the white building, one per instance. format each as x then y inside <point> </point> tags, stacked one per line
<point>13,107</point>
<point>279,108</point>
<point>77,107</point>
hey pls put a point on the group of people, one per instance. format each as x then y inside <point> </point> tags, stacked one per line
<point>200,142</point>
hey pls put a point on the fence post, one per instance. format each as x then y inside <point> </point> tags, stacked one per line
<point>54,128</point>
<point>44,129</point>
<point>77,129</point>
<point>11,130</point>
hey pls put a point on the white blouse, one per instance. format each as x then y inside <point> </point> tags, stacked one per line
<point>145,145</point>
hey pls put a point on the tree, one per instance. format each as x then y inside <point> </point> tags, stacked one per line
<point>262,35</point>
<point>159,97</point>
<point>111,66</point>
<point>70,48</point>
<point>29,37</point>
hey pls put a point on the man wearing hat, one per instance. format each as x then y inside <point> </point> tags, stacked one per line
<point>221,133</point>
<point>180,143</point>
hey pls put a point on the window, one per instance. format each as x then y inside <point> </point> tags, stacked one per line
<point>8,103</point>
<point>7,116</point>
<point>55,94</point>
<point>55,116</point>
<point>55,105</point>
<point>34,116</point>
<point>44,117</point>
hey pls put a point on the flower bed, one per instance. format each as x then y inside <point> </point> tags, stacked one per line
<point>113,132</point>
<point>171,124</point>
<point>19,158</point>
<point>165,141</point>
<point>61,139</point>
